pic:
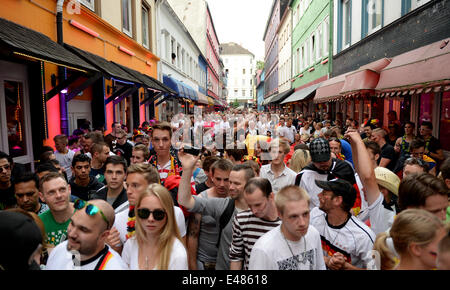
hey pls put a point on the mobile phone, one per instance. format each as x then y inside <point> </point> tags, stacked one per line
<point>191,150</point>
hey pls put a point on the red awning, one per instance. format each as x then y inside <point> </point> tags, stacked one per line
<point>427,67</point>
<point>365,79</point>
<point>330,89</point>
<point>352,83</point>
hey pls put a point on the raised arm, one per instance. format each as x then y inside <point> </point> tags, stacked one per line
<point>184,191</point>
<point>363,166</point>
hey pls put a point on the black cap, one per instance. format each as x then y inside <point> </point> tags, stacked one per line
<point>339,187</point>
<point>19,238</point>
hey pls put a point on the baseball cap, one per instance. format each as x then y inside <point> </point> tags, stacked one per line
<point>19,238</point>
<point>338,187</point>
<point>387,179</point>
<point>319,149</point>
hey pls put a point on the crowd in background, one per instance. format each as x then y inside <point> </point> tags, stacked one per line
<point>232,190</point>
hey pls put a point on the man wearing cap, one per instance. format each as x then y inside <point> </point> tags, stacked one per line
<point>324,168</point>
<point>86,247</point>
<point>346,241</point>
<point>380,187</point>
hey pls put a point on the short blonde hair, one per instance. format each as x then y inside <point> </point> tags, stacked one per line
<point>290,193</point>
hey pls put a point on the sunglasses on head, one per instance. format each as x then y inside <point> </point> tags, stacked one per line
<point>158,214</point>
<point>90,209</point>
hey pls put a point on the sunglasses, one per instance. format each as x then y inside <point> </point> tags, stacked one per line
<point>158,214</point>
<point>90,209</point>
<point>5,167</point>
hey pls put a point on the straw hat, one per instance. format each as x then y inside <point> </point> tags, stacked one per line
<point>387,179</point>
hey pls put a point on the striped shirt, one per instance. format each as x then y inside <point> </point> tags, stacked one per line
<point>247,229</point>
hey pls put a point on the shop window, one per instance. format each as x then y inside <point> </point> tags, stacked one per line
<point>15,118</point>
<point>426,108</point>
<point>444,126</point>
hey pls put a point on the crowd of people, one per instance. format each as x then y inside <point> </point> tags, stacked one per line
<point>233,190</point>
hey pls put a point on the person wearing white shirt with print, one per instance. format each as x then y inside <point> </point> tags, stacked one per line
<point>295,244</point>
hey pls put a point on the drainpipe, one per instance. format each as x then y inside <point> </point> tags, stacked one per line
<point>61,70</point>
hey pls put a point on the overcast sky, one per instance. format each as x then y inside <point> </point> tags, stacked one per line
<point>241,21</point>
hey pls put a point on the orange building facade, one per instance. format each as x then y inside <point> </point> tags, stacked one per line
<point>33,109</point>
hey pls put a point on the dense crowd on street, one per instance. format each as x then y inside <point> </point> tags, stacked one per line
<point>231,190</point>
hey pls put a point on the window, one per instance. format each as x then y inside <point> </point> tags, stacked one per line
<point>235,93</point>
<point>374,11</point>
<point>89,4</point>
<point>409,5</point>
<point>127,26</point>
<point>243,71</point>
<point>325,39</point>
<point>319,42</point>
<point>178,56</point>
<point>243,82</point>
<point>243,93</point>
<point>313,49</point>
<point>172,50</point>
<point>303,61</point>
<point>145,27</point>
<point>298,64</point>
<point>346,22</point>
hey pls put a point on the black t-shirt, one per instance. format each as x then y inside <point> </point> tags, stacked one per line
<point>125,150</point>
<point>7,198</point>
<point>201,187</point>
<point>433,145</point>
<point>388,152</point>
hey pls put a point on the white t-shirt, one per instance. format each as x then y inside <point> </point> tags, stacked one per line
<point>65,160</point>
<point>290,133</point>
<point>178,257</point>
<point>271,252</point>
<point>120,223</point>
<point>61,259</point>
<point>353,239</point>
<point>381,218</point>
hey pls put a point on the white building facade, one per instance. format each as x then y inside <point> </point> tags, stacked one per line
<point>179,56</point>
<point>240,66</point>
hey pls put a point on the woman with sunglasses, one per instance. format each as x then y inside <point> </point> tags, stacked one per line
<point>157,243</point>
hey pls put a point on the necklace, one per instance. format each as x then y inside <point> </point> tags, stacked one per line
<point>296,258</point>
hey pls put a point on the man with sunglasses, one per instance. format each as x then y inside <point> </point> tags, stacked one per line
<point>417,150</point>
<point>26,188</point>
<point>7,198</point>
<point>86,247</point>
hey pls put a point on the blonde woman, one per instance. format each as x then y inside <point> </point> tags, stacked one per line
<point>299,160</point>
<point>413,238</point>
<point>157,243</point>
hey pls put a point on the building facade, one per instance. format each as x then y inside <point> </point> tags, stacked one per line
<point>180,66</point>
<point>197,18</point>
<point>310,51</point>
<point>391,56</point>
<point>240,66</point>
<point>71,60</point>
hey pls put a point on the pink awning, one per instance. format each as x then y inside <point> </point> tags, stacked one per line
<point>329,89</point>
<point>365,79</point>
<point>425,67</point>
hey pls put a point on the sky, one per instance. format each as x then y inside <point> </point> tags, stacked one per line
<point>242,22</point>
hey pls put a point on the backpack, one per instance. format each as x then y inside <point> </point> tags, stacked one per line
<point>225,218</point>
